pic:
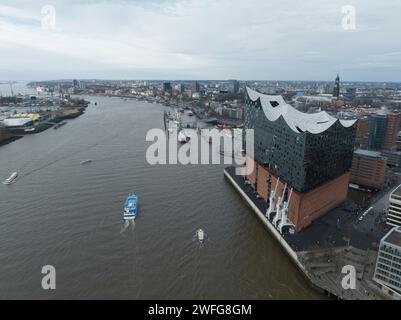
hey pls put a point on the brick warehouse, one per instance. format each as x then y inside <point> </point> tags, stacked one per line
<point>302,160</point>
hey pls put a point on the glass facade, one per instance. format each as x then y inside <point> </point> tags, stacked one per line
<point>377,129</point>
<point>302,159</point>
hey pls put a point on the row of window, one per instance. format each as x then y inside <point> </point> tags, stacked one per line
<point>389,260</point>
<point>391,250</point>
<point>393,204</point>
<point>389,275</point>
<point>393,218</point>
<point>389,268</point>
<point>381,276</point>
<point>396,197</point>
<point>396,212</point>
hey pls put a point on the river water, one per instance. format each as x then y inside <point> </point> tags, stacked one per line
<point>68,215</point>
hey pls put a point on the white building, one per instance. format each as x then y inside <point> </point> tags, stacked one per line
<point>394,210</point>
<point>388,265</point>
<point>17,122</point>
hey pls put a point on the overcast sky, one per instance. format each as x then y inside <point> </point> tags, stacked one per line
<point>200,39</point>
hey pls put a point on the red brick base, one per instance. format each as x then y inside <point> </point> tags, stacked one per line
<point>303,207</point>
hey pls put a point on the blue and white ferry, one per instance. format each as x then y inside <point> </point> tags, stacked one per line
<point>131,207</point>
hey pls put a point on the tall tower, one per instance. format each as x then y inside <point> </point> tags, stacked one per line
<point>336,91</point>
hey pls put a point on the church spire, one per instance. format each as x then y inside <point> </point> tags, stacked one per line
<point>336,91</point>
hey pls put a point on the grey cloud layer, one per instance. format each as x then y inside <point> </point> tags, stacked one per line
<point>202,39</point>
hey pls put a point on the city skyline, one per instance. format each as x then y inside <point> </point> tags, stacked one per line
<point>170,40</point>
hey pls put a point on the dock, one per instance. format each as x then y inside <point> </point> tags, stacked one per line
<point>320,261</point>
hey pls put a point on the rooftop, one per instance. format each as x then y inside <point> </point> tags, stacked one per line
<point>391,152</point>
<point>16,122</point>
<point>394,236</point>
<point>397,191</point>
<point>275,106</point>
<point>368,153</point>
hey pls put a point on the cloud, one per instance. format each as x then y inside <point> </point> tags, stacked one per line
<point>253,39</point>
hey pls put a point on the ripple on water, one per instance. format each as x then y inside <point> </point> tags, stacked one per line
<point>69,215</point>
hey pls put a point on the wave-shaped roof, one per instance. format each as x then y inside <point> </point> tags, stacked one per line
<point>275,106</point>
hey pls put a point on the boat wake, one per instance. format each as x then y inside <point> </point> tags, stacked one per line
<point>126,226</point>
<point>28,173</point>
<point>71,155</point>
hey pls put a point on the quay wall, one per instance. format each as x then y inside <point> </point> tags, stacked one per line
<point>269,226</point>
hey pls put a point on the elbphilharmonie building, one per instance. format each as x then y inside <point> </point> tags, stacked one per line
<point>301,158</point>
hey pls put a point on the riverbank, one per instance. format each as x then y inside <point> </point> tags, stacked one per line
<point>8,140</point>
<point>187,105</point>
<point>48,121</point>
<point>319,260</point>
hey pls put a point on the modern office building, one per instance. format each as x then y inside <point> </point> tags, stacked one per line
<point>368,169</point>
<point>167,87</point>
<point>388,265</point>
<point>394,209</point>
<point>392,129</point>
<point>383,130</point>
<point>306,155</point>
<point>377,129</point>
<point>233,86</point>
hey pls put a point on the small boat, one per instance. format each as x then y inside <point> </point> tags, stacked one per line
<point>86,161</point>
<point>11,178</point>
<point>130,207</point>
<point>200,234</point>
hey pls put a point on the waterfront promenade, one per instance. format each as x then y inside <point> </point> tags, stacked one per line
<point>321,250</point>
